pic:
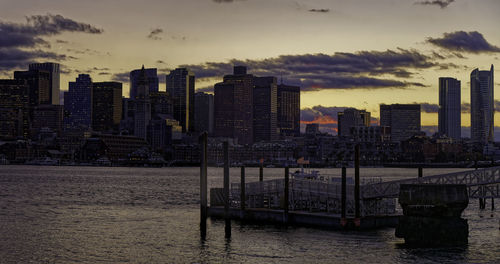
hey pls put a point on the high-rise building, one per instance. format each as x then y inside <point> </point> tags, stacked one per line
<point>39,86</point>
<point>152,79</point>
<point>204,112</point>
<point>449,108</point>
<point>403,120</point>
<point>161,104</point>
<point>106,106</point>
<point>48,116</point>
<point>265,109</point>
<point>78,104</point>
<point>482,106</point>
<point>54,79</point>
<point>288,110</point>
<point>14,109</point>
<point>142,115</point>
<point>350,118</point>
<point>180,86</point>
<point>233,106</point>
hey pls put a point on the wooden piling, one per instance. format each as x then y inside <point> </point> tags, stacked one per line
<point>242,189</point>
<point>286,200</point>
<point>482,203</point>
<point>343,197</point>
<point>492,204</point>
<point>226,190</point>
<point>356,182</point>
<point>261,171</point>
<point>203,185</point>
<point>420,172</point>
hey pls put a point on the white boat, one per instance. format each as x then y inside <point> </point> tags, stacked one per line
<point>306,174</point>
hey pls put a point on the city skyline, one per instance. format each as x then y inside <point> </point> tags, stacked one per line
<point>326,47</point>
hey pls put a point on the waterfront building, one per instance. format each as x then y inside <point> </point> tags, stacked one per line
<point>54,79</point>
<point>265,109</point>
<point>106,106</point>
<point>482,106</point>
<point>371,133</point>
<point>14,109</point>
<point>288,110</point>
<point>142,114</point>
<point>349,118</point>
<point>204,112</point>
<point>233,106</point>
<point>78,103</point>
<point>151,77</point>
<point>48,116</point>
<point>403,119</point>
<point>180,85</point>
<point>449,123</point>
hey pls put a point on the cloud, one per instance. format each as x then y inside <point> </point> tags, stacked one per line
<point>322,10</point>
<point>428,108</point>
<point>461,41</point>
<point>325,116</point>
<point>121,77</point>
<point>440,3</point>
<point>154,34</point>
<point>341,70</point>
<point>24,43</point>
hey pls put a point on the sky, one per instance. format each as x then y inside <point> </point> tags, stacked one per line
<point>342,53</point>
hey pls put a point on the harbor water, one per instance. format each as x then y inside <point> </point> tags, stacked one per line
<point>151,215</point>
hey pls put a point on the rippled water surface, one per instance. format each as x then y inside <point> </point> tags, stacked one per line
<point>151,215</point>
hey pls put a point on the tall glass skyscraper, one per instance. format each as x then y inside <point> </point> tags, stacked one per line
<point>449,108</point>
<point>78,103</point>
<point>152,79</point>
<point>482,106</point>
<point>180,86</point>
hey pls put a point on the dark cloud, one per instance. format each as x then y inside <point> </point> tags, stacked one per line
<point>360,70</point>
<point>160,62</point>
<point>59,41</point>
<point>322,10</point>
<point>121,77</point>
<point>24,43</point>
<point>440,3</point>
<point>465,107</point>
<point>154,34</point>
<point>206,89</point>
<point>461,41</point>
<point>428,108</point>
<point>104,73</point>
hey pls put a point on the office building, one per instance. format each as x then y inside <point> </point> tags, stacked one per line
<point>180,85</point>
<point>265,109</point>
<point>152,80</point>
<point>350,118</point>
<point>47,116</point>
<point>54,79</point>
<point>14,109</point>
<point>106,106</point>
<point>204,112</point>
<point>233,106</point>
<point>39,86</point>
<point>142,114</point>
<point>161,104</point>
<point>78,104</point>
<point>449,116</point>
<point>482,106</point>
<point>403,120</point>
<point>288,110</point>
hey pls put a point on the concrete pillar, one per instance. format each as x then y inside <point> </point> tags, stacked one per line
<point>356,183</point>
<point>287,182</point>
<point>344,195</point>
<point>420,172</point>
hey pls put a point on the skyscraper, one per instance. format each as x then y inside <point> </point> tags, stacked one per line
<point>54,79</point>
<point>152,79</point>
<point>180,86</point>
<point>204,112</point>
<point>288,110</point>
<point>106,106</point>
<point>14,105</point>
<point>482,106</point>
<point>350,118</point>
<point>233,106</point>
<point>404,120</point>
<point>78,103</point>
<point>39,86</point>
<point>142,115</point>
<point>449,108</point>
<point>265,109</point>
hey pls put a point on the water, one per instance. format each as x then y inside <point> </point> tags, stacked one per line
<point>151,215</point>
